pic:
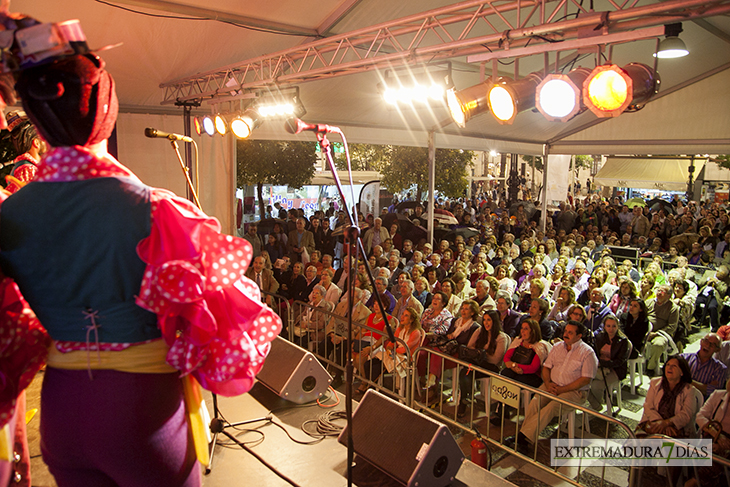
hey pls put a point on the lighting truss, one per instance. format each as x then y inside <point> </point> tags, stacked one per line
<point>444,33</point>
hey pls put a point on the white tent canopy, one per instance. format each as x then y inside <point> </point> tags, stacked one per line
<point>691,115</point>
<point>662,174</point>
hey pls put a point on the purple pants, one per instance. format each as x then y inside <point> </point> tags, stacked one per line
<point>119,429</point>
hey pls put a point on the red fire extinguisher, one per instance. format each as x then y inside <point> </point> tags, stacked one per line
<point>479,451</point>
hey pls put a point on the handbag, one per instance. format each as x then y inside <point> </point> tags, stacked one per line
<point>476,356</point>
<point>450,348</point>
<point>523,355</point>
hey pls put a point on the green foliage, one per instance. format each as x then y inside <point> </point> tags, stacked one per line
<point>363,157</point>
<point>585,162</point>
<point>723,160</point>
<point>409,165</point>
<point>274,162</point>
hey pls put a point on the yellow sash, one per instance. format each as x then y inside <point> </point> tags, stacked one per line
<point>147,358</point>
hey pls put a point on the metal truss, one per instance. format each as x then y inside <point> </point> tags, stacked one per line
<point>482,29</point>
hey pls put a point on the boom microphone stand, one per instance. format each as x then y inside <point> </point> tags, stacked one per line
<point>353,242</point>
<point>218,424</point>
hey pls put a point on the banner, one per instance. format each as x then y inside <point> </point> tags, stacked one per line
<point>558,180</point>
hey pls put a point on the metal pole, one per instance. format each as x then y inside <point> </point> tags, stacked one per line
<point>543,206</point>
<point>431,183</point>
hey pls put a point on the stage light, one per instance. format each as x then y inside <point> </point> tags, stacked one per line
<point>465,104</point>
<point>507,98</point>
<point>419,85</point>
<point>610,90</point>
<point>198,125</point>
<point>280,106</point>
<point>208,125</point>
<point>220,125</point>
<point>671,46</point>
<point>242,125</point>
<point>558,97</point>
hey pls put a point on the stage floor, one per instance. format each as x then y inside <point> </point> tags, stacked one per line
<point>320,464</point>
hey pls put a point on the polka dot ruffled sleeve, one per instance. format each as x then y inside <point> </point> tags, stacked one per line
<point>23,345</point>
<point>210,315</point>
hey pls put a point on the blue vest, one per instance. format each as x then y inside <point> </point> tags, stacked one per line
<point>71,247</point>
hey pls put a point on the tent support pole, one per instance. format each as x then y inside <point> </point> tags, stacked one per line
<point>431,183</point>
<point>543,203</point>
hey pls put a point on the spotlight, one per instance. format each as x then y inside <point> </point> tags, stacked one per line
<point>420,85</point>
<point>610,90</point>
<point>242,125</point>
<point>466,103</point>
<point>507,98</point>
<point>671,46</point>
<point>220,125</point>
<point>198,125</point>
<point>558,96</point>
<point>208,125</point>
<point>281,106</point>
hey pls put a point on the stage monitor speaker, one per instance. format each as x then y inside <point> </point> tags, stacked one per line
<point>410,447</point>
<point>293,373</point>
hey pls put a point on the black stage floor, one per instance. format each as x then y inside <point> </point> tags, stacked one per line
<point>321,464</point>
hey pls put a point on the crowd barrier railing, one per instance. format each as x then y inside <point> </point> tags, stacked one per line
<point>280,305</point>
<point>508,392</point>
<point>465,379</point>
<point>331,350</point>
<point>695,473</point>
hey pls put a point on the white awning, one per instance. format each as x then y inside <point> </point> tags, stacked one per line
<point>358,177</point>
<point>645,173</point>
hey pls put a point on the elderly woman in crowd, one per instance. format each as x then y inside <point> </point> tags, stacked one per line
<point>421,292</point>
<point>619,303</point>
<point>612,349</point>
<point>670,405</point>
<point>562,306</point>
<point>536,289</point>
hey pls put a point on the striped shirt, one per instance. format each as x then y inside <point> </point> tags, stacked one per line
<point>711,371</point>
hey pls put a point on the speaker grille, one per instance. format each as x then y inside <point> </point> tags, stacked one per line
<point>282,361</point>
<point>391,436</point>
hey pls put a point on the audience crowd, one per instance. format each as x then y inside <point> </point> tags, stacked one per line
<point>563,310</point>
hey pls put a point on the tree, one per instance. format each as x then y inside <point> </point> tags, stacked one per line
<point>363,157</point>
<point>723,161</point>
<point>280,163</point>
<point>408,166</point>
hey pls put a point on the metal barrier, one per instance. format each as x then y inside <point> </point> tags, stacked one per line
<point>441,409</point>
<point>724,462</point>
<point>330,350</point>
<point>280,305</point>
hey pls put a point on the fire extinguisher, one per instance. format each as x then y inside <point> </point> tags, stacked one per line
<point>480,454</point>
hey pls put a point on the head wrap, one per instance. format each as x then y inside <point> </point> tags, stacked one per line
<point>71,101</point>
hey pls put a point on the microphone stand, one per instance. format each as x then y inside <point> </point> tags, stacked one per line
<point>353,241</point>
<point>218,424</point>
<point>176,148</point>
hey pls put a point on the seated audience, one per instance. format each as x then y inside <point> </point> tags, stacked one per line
<point>708,373</point>
<point>612,348</point>
<point>670,405</point>
<point>635,325</point>
<point>567,373</point>
<point>485,349</point>
<point>380,353</point>
<point>461,329</point>
<point>664,317</point>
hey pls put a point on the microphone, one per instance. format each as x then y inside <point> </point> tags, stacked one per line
<point>153,133</point>
<point>294,126</point>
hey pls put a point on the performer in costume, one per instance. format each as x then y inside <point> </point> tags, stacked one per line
<point>135,286</point>
<point>28,145</point>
